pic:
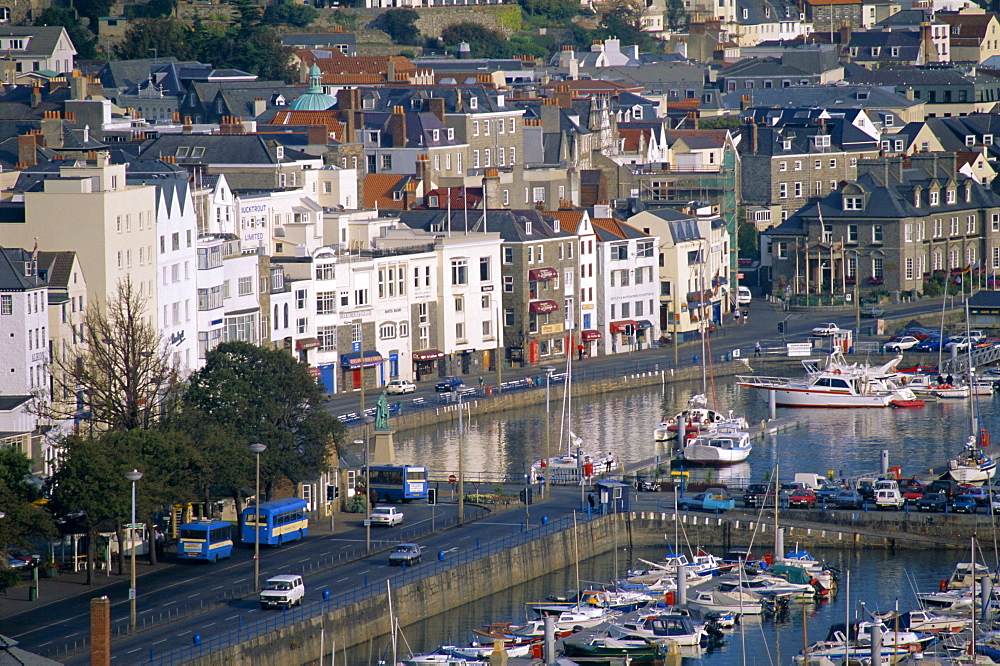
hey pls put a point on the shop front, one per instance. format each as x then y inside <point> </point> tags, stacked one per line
<point>354,366</point>
<point>643,330</point>
<point>621,334</point>
<point>588,342</point>
<point>424,363</point>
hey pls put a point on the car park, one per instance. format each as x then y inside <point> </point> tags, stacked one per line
<point>406,553</point>
<point>386,515</point>
<point>283,591</point>
<point>449,384</point>
<point>931,344</point>
<point>871,310</point>
<point>959,343</point>
<point>802,497</point>
<point>707,502</point>
<point>828,492</point>
<point>888,498</point>
<point>905,342</point>
<point>979,494</point>
<point>913,491</point>
<point>932,502</point>
<point>995,503</point>
<point>964,504</point>
<point>848,499</point>
<point>824,330</point>
<point>400,386</point>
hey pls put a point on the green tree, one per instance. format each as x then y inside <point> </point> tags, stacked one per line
<point>266,396</point>
<point>748,240</point>
<point>676,15</point>
<point>554,10</point>
<point>399,25</point>
<point>288,13</point>
<point>152,9</point>
<point>93,9</point>
<point>167,36</point>
<point>720,122</point>
<point>15,474</point>
<point>624,21</point>
<point>83,39</point>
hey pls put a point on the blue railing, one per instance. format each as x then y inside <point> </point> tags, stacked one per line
<point>444,562</point>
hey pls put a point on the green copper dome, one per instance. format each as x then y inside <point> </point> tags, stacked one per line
<point>314,99</point>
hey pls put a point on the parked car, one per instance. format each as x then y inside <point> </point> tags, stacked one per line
<point>964,504</point>
<point>905,342</point>
<point>406,553</point>
<point>706,502</point>
<point>386,515</point>
<point>743,295</point>
<point>871,310</point>
<point>803,497</point>
<point>959,343</point>
<point>913,490</point>
<point>399,386</point>
<point>918,332</point>
<point>978,493</point>
<point>758,494</point>
<point>932,502</point>
<point>848,499</point>
<point>449,384</point>
<point>824,330</point>
<point>828,492</point>
<point>995,503</point>
<point>931,344</point>
<point>283,591</point>
<point>889,498</point>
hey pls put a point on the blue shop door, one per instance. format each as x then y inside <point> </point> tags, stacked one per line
<point>393,366</point>
<point>326,377</point>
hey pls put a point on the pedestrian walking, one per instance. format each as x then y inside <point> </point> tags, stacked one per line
<point>756,348</point>
<point>736,316</point>
<point>746,317</point>
<point>481,382</point>
<point>579,351</point>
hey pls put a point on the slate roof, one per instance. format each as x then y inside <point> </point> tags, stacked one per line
<point>967,29</point>
<point>456,99</point>
<point>10,654</point>
<point>756,12</point>
<point>951,132</point>
<point>123,75</point>
<point>753,67</point>
<point>43,42</point>
<point>611,229</point>
<point>800,127</point>
<point>510,224</point>
<point>419,126</point>
<point>840,96</point>
<point>219,149</point>
<point>12,277</point>
<point>58,267</point>
<point>904,76</point>
<point>908,18</point>
<point>906,42</point>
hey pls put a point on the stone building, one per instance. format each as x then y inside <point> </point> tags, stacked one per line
<point>900,222</point>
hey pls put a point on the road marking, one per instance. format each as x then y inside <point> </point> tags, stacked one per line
<point>232,618</point>
<point>184,633</point>
<point>160,641</point>
<point>193,595</point>
<point>308,559</point>
<point>208,624</point>
<point>341,580</point>
<point>135,650</point>
<point>217,588</point>
<point>44,644</point>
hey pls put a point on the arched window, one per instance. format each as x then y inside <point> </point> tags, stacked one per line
<point>286,316</point>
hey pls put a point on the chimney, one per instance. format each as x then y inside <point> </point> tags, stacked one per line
<point>564,97</point>
<point>491,188</point>
<point>751,136</point>
<point>464,52</point>
<point>259,106</point>
<point>317,135</point>
<point>436,106</point>
<point>188,126</point>
<point>845,34</point>
<point>602,210</point>
<point>928,52</point>
<point>409,195</point>
<point>52,130</point>
<point>692,119</point>
<point>397,127</point>
<point>100,631</point>
<point>908,93</point>
<point>425,173</point>
<point>745,102</point>
<point>177,116</point>
<point>36,97</point>
<point>27,145</point>
<point>78,87</point>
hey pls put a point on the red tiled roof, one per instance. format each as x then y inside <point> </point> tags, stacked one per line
<point>569,220</point>
<point>610,224</point>
<point>329,118</point>
<point>379,188</point>
<point>633,137</point>
<point>474,196</point>
<point>970,26</point>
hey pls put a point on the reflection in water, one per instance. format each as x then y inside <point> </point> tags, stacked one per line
<point>846,441</point>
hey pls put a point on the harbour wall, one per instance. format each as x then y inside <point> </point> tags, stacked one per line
<point>361,622</point>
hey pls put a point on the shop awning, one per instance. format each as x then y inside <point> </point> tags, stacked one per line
<point>643,324</point>
<point>541,307</point>
<point>356,360</point>
<point>622,326</point>
<point>590,334</point>
<point>542,274</point>
<point>427,355</point>
<point>306,343</point>
<point>697,296</point>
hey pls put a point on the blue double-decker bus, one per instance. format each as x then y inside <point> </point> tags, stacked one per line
<point>210,540</point>
<point>398,483</point>
<point>281,521</point>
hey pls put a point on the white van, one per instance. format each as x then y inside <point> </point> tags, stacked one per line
<point>889,499</point>
<point>743,296</point>
<point>283,591</point>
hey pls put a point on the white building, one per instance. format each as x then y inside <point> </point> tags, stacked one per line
<point>281,222</point>
<point>628,291</point>
<point>228,296</point>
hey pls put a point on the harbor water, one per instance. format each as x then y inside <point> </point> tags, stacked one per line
<point>847,442</point>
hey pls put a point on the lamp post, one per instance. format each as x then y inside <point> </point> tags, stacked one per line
<point>257,449</point>
<point>548,370</point>
<point>368,490</point>
<point>461,463</point>
<point>857,303</point>
<point>132,476</point>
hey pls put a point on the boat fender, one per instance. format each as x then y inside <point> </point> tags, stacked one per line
<point>913,647</point>
<point>943,585</point>
<point>836,372</point>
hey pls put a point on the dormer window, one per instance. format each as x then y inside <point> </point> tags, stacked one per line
<point>888,121</point>
<point>182,151</point>
<point>935,197</point>
<point>987,139</point>
<point>279,152</point>
<point>876,51</point>
<point>823,141</point>
<point>746,14</point>
<point>894,51</point>
<point>397,195</point>
<point>853,203</point>
<point>436,134</point>
<point>970,140</point>
<point>767,12</point>
<point>555,225</point>
<point>527,227</point>
<point>473,102</point>
<point>786,144</point>
<point>916,199</point>
<point>432,201</point>
<point>451,134</point>
<point>950,196</point>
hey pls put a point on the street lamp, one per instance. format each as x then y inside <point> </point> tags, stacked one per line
<point>461,464</point>
<point>257,449</point>
<point>368,491</point>
<point>548,370</point>
<point>132,476</point>
<point>857,303</point>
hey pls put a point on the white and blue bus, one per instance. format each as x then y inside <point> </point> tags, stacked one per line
<point>281,521</point>
<point>210,540</point>
<point>398,483</point>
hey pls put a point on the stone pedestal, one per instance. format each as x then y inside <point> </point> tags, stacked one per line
<point>385,451</point>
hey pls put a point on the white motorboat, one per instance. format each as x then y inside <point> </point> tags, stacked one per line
<point>736,601</point>
<point>672,628</point>
<point>972,465</point>
<point>836,384</point>
<point>477,651</point>
<point>725,445</point>
<point>952,601</point>
<point>965,574</point>
<point>769,586</point>
<point>911,640</point>
<point>701,563</point>
<point>442,657</point>
<point>697,418</point>
<point>566,620</point>
<point>928,622</point>
<point>837,652</point>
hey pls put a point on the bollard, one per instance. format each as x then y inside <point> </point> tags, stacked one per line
<point>477,543</point>
<point>33,593</point>
<point>440,556</point>
<point>545,520</point>
<point>196,639</point>
<point>326,595</point>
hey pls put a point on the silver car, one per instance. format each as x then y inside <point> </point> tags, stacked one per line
<point>406,553</point>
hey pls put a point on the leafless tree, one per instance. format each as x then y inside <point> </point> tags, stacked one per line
<point>124,370</point>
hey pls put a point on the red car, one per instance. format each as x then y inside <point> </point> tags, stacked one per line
<point>913,491</point>
<point>803,497</point>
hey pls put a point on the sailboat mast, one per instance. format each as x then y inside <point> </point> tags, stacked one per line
<point>704,330</point>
